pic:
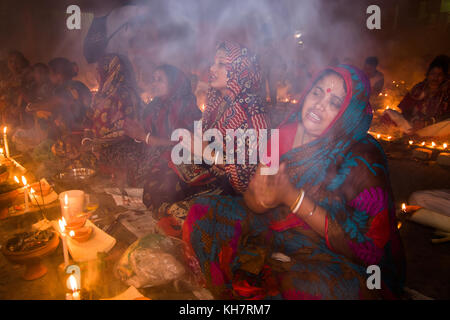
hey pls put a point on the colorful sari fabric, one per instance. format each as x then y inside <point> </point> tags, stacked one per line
<point>345,172</point>
<point>421,105</point>
<point>240,107</point>
<point>72,113</point>
<point>161,117</point>
<point>116,99</point>
<point>70,118</point>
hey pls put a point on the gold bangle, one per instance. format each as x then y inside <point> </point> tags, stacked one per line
<point>299,198</point>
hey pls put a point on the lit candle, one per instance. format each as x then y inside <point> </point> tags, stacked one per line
<point>378,136</point>
<point>5,138</point>
<point>389,138</point>
<point>62,227</point>
<point>444,146</point>
<point>25,192</point>
<point>410,142</point>
<point>65,209</point>
<point>423,143</point>
<point>404,207</point>
<point>33,196</point>
<point>433,144</point>
<point>75,295</point>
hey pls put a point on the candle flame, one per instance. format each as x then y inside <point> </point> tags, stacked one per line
<point>386,95</point>
<point>445,146</point>
<point>4,130</point>
<point>16,179</point>
<point>403,206</point>
<point>389,138</point>
<point>433,144</point>
<point>378,136</point>
<point>24,181</point>
<point>423,143</point>
<point>399,225</point>
<point>73,283</point>
<point>66,200</point>
<point>411,142</point>
<point>72,233</point>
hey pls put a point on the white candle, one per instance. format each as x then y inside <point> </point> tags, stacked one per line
<point>62,226</point>
<point>65,209</point>
<point>25,193</point>
<point>33,196</point>
<point>5,140</point>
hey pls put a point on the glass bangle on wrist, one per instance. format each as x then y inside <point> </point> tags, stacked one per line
<point>298,202</point>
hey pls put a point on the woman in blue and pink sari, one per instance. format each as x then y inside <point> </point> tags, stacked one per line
<point>312,230</point>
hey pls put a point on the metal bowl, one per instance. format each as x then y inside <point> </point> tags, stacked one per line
<point>75,176</point>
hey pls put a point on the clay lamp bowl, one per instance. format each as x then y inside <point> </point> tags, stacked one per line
<point>82,234</point>
<point>76,223</point>
<point>46,188</point>
<point>31,259</point>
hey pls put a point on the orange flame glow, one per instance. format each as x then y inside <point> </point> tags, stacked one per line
<point>73,283</point>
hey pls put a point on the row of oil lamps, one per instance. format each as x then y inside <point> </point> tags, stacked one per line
<point>432,145</point>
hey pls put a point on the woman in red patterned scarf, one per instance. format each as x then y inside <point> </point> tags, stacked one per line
<point>233,102</point>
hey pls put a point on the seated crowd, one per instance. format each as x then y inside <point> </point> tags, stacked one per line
<point>308,232</point>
